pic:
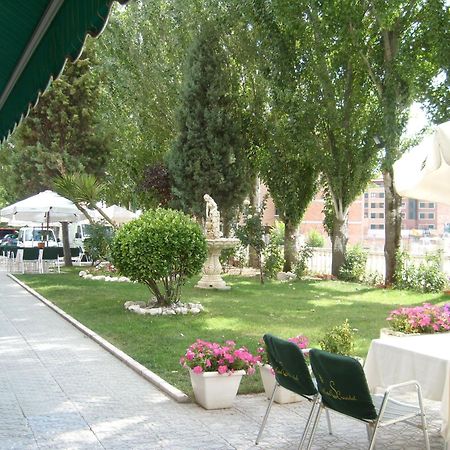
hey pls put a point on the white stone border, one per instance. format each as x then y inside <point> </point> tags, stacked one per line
<point>160,383</point>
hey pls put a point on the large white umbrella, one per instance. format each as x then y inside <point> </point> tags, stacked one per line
<point>45,207</point>
<point>119,215</point>
<point>424,171</point>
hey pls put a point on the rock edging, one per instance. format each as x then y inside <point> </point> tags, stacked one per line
<point>175,309</point>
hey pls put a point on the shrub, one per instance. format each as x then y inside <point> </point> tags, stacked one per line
<point>354,266</point>
<point>425,277</point>
<point>233,257</point>
<point>421,319</point>
<point>301,266</point>
<point>98,244</point>
<point>339,340</point>
<point>315,239</point>
<point>161,249</point>
<point>273,257</point>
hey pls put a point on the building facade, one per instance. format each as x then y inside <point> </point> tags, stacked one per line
<point>367,216</point>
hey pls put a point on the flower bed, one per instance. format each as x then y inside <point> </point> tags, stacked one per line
<point>421,319</point>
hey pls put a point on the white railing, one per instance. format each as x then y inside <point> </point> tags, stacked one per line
<point>321,261</point>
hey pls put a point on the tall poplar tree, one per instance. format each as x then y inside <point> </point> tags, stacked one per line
<point>209,154</point>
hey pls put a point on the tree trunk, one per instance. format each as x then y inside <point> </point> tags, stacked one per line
<point>253,259</point>
<point>66,244</point>
<point>339,243</point>
<point>289,245</point>
<point>393,222</point>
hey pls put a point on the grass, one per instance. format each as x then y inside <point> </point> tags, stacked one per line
<point>244,314</point>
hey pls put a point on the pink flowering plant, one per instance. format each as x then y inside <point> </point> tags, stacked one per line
<point>421,319</point>
<point>301,341</point>
<point>203,356</point>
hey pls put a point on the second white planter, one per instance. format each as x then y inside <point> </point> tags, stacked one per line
<point>215,391</point>
<point>282,395</point>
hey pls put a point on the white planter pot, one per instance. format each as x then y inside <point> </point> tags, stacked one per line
<point>282,395</point>
<point>215,391</point>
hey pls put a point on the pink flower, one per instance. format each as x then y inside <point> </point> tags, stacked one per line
<point>208,363</point>
<point>222,369</point>
<point>197,369</point>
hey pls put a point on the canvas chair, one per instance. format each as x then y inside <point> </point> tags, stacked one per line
<point>292,373</point>
<point>343,388</point>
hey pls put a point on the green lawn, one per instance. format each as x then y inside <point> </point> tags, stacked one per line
<point>244,314</point>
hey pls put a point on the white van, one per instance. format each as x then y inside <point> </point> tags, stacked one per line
<point>32,236</point>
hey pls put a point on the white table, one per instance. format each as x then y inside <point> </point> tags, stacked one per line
<point>425,358</point>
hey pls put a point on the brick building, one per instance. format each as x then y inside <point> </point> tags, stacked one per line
<point>366,216</point>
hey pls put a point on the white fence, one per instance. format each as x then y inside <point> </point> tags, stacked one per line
<point>321,261</point>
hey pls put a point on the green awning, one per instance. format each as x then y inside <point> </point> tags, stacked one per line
<point>37,36</point>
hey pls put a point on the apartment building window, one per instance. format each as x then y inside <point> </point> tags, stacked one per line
<point>380,205</point>
<point>366,195</point>
<point>381,215</point>
<point>430,205</point>
<point>373,194</point>
<point>381,195</point>
<point>431,215</point>
<point>373,205</point>
<point>431,226</point>
<point>381,227</point>
<point>422,205</point>
<point>373,215</point>
<point>412,209</point>
<point>421,215</point>
<point>366,205</point>
<point>373,226</point>
<point>366,215</point>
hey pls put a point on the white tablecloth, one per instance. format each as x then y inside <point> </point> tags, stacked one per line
<point>425,358</point>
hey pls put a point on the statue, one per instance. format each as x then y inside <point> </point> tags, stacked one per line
<point>212,225</point>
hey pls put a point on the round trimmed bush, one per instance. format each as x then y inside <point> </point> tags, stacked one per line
<point>162,249</point>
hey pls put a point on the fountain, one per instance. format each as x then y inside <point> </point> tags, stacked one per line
<point>212,268</point>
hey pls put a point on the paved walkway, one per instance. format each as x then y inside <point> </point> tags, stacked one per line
<point>60,390</point>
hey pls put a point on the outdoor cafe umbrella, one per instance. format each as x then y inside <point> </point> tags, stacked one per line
<point>424,172</point>
<point>119,215</point>
<point>45,207</point>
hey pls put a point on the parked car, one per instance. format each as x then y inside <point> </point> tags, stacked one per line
<point>5,231</point>
<point>9,239</point>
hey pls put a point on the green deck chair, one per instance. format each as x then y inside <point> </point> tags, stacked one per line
<point>343,388</point>
<point>292,373</point>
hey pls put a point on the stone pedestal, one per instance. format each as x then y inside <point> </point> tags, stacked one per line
<point>212,268</point>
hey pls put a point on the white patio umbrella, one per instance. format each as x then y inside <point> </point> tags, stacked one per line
<point>45,207</point>
<point>119,215</point>
<point>424,171</point>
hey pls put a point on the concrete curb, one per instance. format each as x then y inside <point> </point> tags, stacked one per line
<point>150,376</point>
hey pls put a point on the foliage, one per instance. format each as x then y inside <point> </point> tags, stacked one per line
<point>301,341</point>
<point>62,134</point>
<point>339,340</point>
<point>301,266</point>
<point>162,249</point>
<point>85,191</point>
<point>233,256</point>
<point>425,277</point>
<point>208,156</point>
<point>98,244</point>
<point>273,259</point>
<point>277,233</point>
<point>203,356</point>
<point>420,319</point>
<point>156,183</point>
<point>315,239</point>
<point>251,232</point>
<point>373,279</point>
<point>354,267</point>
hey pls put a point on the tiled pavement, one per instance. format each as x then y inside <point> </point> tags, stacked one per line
<point>60,390</point>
